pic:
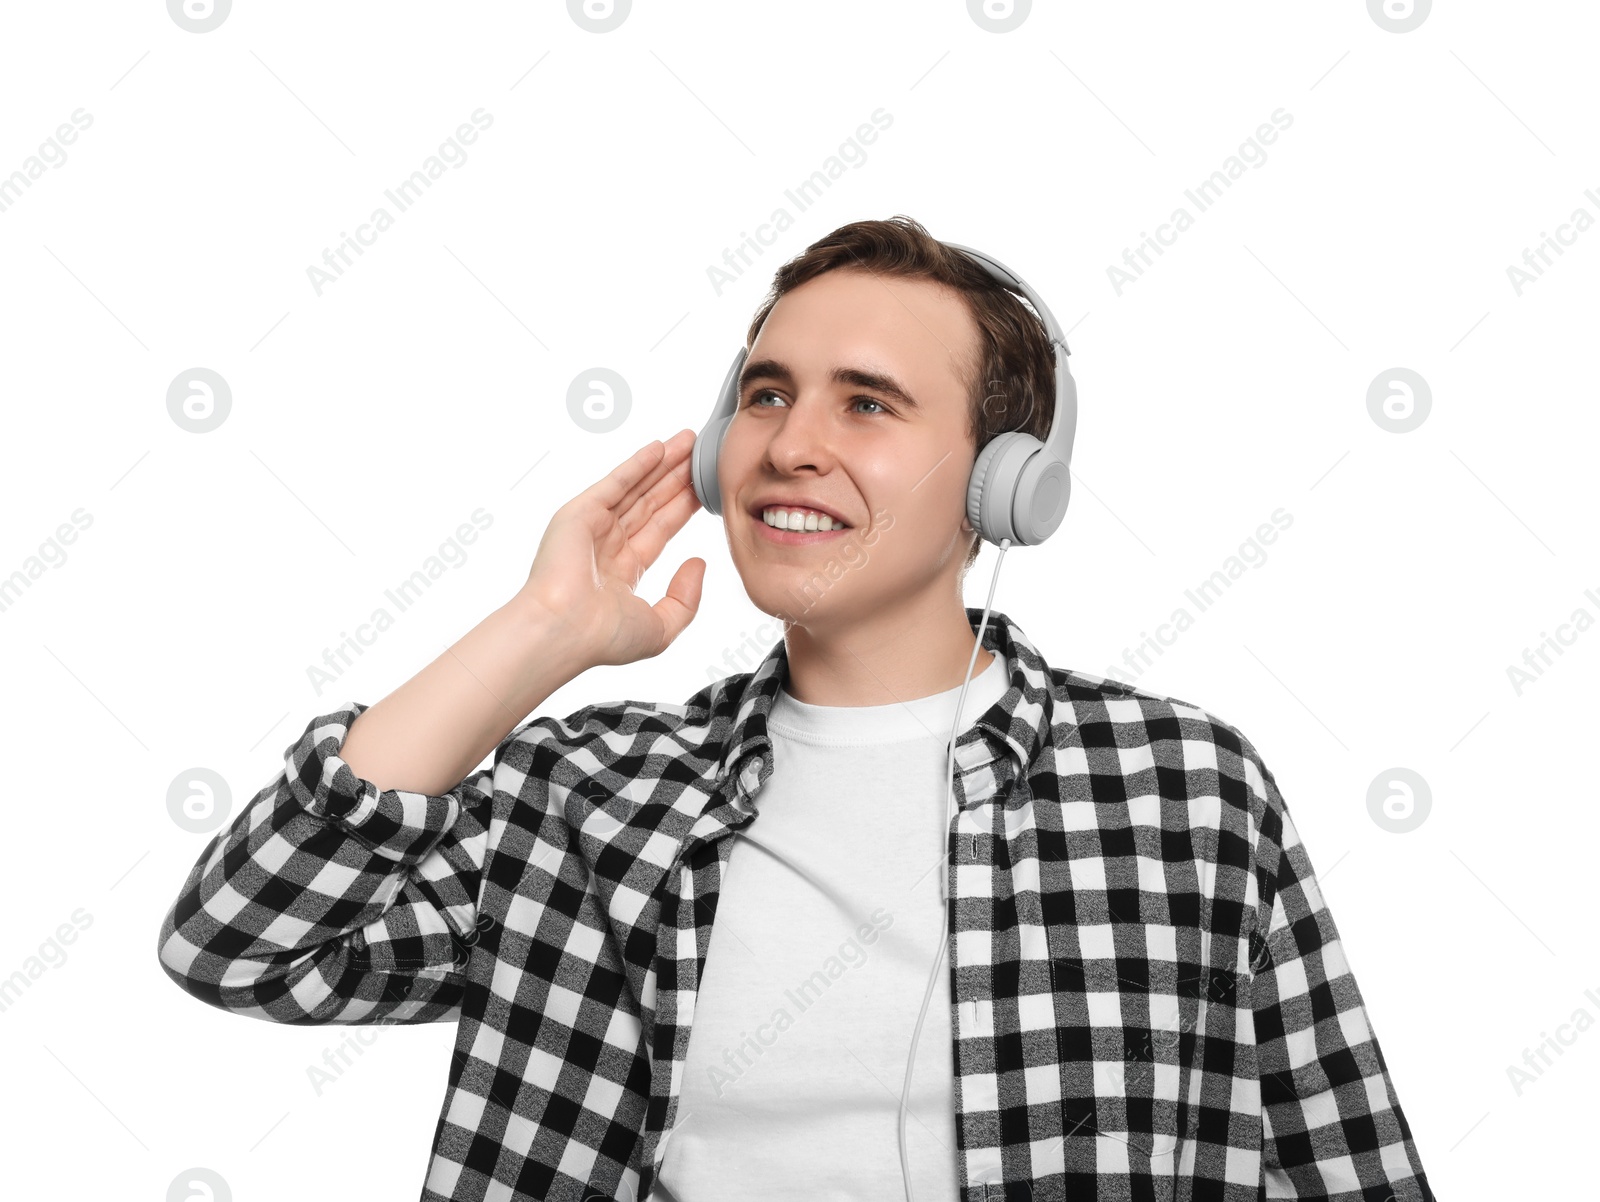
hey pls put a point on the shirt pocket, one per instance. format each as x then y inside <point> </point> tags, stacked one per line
<point>1129,1033</point>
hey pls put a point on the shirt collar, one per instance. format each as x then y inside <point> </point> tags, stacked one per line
<point>1017,722</point>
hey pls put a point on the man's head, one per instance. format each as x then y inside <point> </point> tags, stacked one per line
<point>879,363</point>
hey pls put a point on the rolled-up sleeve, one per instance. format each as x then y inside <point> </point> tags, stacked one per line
<point>329,900</point>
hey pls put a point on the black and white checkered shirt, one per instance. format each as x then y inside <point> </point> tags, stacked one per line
<point>1149,999</point>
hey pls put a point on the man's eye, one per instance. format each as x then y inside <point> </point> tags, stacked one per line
<point>755,398</point>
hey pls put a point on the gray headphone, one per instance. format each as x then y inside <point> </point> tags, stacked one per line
<point>1019,486</point>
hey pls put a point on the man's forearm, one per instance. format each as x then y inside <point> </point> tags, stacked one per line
<point>428,734</point>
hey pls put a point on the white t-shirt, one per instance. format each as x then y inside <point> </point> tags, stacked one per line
<point>827,927</point>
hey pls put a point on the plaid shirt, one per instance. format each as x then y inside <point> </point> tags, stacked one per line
<point>1149,998</point>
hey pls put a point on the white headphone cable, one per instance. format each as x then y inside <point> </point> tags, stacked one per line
<point>944,875</point>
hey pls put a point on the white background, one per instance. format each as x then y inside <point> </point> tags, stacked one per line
<point>371,420</point>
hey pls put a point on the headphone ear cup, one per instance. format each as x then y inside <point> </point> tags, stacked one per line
<point>1017,491</point>
<point>991,492</point>
<point>703,461</point>
<point>976,489</point>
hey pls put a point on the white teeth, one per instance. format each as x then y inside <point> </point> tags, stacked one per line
<point>799,519</point>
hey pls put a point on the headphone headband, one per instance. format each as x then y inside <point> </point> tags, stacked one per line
<point>1000,272</point>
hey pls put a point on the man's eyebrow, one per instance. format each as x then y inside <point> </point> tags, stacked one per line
<point>856,377</point>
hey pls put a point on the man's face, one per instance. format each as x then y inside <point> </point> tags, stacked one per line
<point>895,469</point>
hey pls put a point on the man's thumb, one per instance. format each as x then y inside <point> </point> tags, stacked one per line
<point>682,602</point>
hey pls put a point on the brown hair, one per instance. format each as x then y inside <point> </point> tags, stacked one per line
<point>1013,387</point>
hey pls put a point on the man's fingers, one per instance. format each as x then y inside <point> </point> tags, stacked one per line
<point>658,528</point>
<point>675,453</point>
<point>638,473</point>
<point>670,487</point>
<point>616,483</point>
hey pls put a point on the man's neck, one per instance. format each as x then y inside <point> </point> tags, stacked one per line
<point>881,659</point>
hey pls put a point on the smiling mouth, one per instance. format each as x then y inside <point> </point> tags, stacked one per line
<point>810,527</point>
<point>793,521</point>
<point>785,535</point>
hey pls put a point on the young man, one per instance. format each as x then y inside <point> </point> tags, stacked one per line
<point>685,945</point>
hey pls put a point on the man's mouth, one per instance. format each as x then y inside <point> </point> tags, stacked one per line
<point>798,526</point>
<point>799,520</point>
